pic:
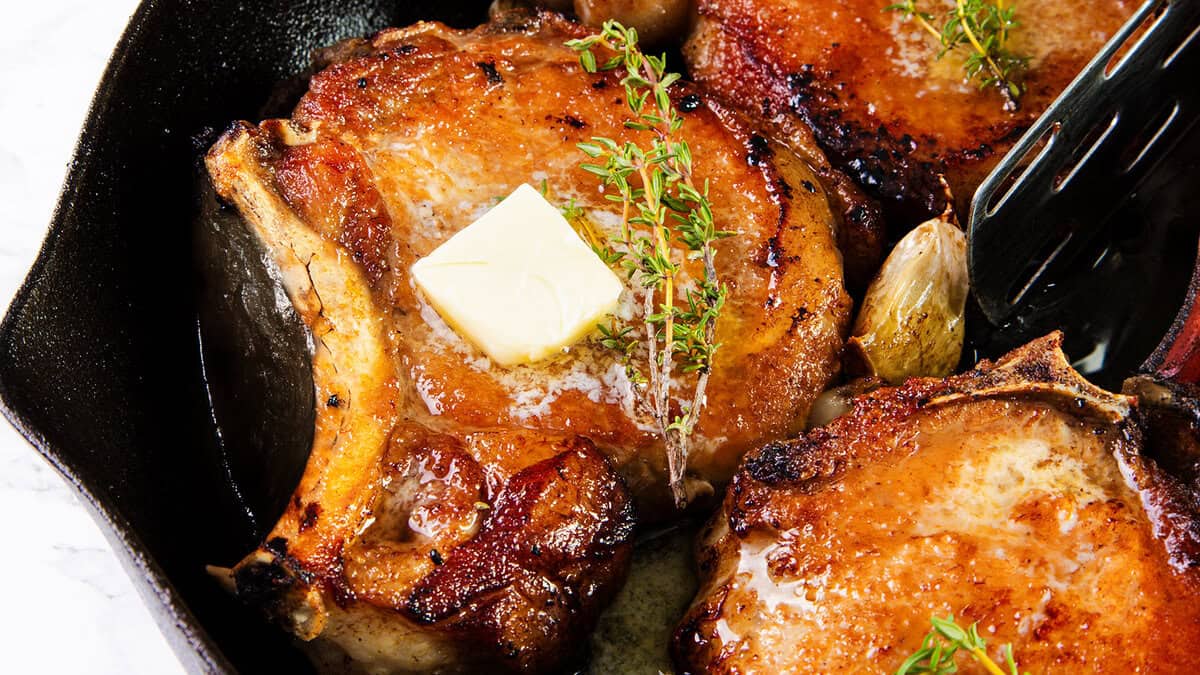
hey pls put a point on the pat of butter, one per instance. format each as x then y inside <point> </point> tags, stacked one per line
<point>519,282</point>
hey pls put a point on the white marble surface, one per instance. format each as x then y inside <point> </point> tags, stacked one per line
<point>68,605</point>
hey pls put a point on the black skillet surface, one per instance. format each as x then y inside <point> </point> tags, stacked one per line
<point>100,361</point>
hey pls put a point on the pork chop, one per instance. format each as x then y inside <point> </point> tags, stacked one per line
<point>883,107</point>
<point>1016,495</point>
<point>410,136</point>
<point>456,514</point>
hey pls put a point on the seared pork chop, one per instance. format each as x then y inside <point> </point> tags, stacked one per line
<point>1015,495</point>
<point>885,110</point>
<point>409,137</point>
<point>456,514</point>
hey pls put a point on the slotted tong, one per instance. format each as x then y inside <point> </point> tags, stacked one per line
<point>1103,176</point>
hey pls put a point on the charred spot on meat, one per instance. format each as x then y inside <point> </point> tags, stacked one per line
<point>879,101</point>
<point>456,514</point>
<point>1016,495</point>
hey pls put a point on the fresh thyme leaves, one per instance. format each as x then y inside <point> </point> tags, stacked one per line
<point>947,638</point>
<point>662,210</point>
<point>982,26</point>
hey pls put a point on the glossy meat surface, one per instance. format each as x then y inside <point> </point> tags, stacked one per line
<point>885,110</point>
<point>456,515</point>
<point>410,137</point>
<point>1015,495</point>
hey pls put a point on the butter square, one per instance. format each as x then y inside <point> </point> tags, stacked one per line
<point>519,282</point>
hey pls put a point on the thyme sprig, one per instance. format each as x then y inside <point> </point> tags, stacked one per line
<point>938,650</point>
<point>981,26</point>
<point>666,218</point>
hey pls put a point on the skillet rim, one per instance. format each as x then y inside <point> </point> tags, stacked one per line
<point>195,649</point>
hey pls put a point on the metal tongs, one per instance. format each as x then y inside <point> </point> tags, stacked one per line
<point>1093,209</point>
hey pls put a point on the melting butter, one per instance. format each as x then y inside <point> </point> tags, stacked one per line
<point>518,283</point>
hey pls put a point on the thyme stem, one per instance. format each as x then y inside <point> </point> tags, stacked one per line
<point>981,26</point>
<point>664,207</point>
<point>924,23</point>
<point>960,6</point>
<point>938,649</point>
<point>987,662</point>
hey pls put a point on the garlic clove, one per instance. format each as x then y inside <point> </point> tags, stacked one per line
<point>911,320</point>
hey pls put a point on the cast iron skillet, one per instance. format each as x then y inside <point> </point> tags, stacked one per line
<point>100,358</point>
<point>103,363</point>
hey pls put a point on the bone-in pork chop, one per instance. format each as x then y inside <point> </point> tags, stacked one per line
<point>1016,495</point>
<point>409,137</point>
<point>456,514</point>
<point>884,109</point>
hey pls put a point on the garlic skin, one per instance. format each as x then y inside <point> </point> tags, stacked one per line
<point>911,320</point>
<point>835,402</point>
<point>657,21</point>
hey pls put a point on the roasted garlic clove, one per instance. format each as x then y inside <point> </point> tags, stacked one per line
<point>835,402</point>
<point>657,22</point>
<point>499,8</point>
<point>911,320</point>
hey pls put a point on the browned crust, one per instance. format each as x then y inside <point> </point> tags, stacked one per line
<point>1037,369</point>
<point>787,314</point>
<point>779,489</point>
<point>843,68</point>
<point>525,534</point>
<point>514,583</point>
<point>1167,471</point>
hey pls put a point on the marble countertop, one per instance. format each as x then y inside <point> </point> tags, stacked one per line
<point>69,607</point>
